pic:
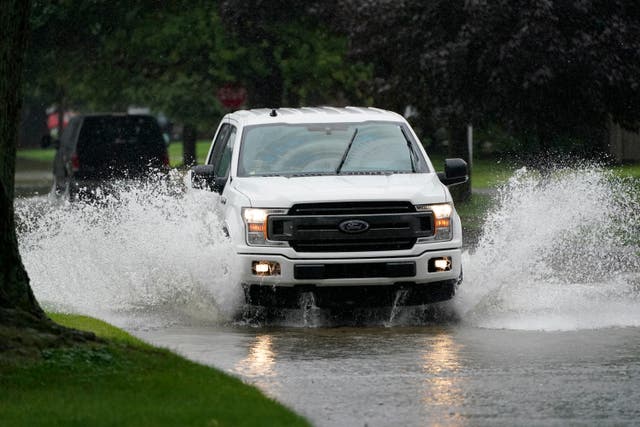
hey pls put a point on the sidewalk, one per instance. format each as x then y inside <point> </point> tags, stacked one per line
<point>32,177</point>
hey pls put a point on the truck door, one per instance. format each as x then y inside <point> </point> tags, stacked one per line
<point>220,157</point>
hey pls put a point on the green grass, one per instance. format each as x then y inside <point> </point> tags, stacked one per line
<point>473,212</point>
<point>125,382</point>
<point>486,173</point>
<point>490,173</point>
<point>175,152</point>
<point>98,327</point>
<point>628,170</point>
<point>38,154</point>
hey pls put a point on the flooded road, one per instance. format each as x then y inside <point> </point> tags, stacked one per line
<point>544,330</point>
<point>430,375</point>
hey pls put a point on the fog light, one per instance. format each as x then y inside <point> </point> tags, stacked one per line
<point>437,265</point>
<point>265,268</point>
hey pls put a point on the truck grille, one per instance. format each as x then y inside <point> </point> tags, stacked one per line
<point>351,227</point>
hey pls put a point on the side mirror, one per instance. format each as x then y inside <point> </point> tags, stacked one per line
<point>455,172</point>
<point>47,141</point>
<point>204,177</point>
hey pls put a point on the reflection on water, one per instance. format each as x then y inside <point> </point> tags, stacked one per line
<point>259,365</point>
<point>443,388</point>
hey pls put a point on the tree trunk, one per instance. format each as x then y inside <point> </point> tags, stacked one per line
<point>189,145</point>
<point>458,147</point>
<point>15,291</point>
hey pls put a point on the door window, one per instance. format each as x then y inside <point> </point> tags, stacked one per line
<point>222,150</point>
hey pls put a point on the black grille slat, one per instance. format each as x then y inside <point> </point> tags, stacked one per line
<point>354,271</point>
<point>335,234</point>
<point>377,227</point>
<point>362,246</point>
<point>360,208</point>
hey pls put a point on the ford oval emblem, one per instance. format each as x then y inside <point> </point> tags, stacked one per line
<point>353,226</point>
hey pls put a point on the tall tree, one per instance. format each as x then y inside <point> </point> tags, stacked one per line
<point>289,54</point>
<point>107,56</point>
<point>174,56</point>
<point>21,317</point>
<point>543,70</point>
<point>68,50</point>
<point>15,292</point>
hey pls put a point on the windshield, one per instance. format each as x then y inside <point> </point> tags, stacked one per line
<point>328,149</point>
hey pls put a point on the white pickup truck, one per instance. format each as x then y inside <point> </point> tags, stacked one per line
<point>342,203</point>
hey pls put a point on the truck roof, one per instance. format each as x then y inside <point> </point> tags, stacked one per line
<point>313,115</point>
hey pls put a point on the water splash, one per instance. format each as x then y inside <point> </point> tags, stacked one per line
<point>310,312</point>
<point>396,307</point>
<point>559,251</point>
<point>152,247</point>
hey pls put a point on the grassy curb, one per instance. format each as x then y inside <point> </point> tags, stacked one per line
<point>125,382</point>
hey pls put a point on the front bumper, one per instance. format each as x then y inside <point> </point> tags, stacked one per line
<point>346,271</point>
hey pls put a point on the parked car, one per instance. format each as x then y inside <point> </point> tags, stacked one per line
<point>339,203</point>
<point>97,149</point>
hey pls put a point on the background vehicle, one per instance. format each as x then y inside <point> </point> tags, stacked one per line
<point>95,149</point>
<point>342,203</point>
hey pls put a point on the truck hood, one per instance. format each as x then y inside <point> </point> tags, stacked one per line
<point>283,192</point>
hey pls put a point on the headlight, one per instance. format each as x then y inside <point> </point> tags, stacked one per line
<point>255,221</point>
<point>441,220</point>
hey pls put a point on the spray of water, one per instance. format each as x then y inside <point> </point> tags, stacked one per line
<point>152,247</point>
<point>559,251</point>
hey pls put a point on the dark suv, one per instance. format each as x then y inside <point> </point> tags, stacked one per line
<point>96,149</point>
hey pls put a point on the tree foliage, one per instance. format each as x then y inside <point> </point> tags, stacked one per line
<point>293,58</point>
<point>542,69</point>
<point>174,56</point>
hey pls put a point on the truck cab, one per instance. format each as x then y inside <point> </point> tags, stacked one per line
<point>342,203</point>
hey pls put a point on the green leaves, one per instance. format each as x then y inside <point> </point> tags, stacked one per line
<point>554,69</point>
<point>174,56</point>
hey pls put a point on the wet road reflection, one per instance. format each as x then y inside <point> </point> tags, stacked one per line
<point>432,375</point>
<point>258,366</point>
<point>443,386</point>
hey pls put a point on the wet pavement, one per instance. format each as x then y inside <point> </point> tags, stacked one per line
<point>429,375</point>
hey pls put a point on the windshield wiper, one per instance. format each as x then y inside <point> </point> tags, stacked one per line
<point>412,153</point>
<point>346,151</point>
<point>298,174</point>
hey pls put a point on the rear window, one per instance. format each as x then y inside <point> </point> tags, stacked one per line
<point>120,141</point>
<point>139,130</point>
